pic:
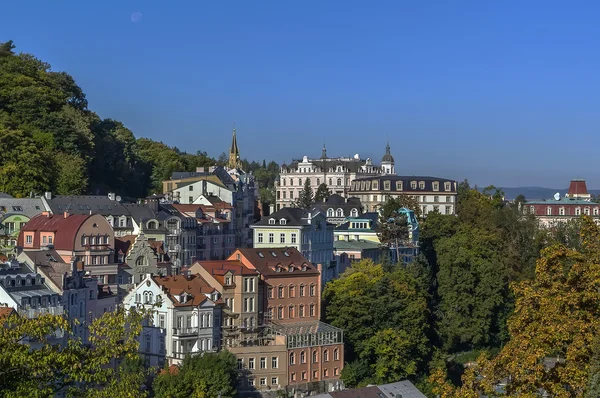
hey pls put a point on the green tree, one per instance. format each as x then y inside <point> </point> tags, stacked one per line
<point>305,199</point>
<point>72,174</point>
<point>201,376</point>
<point>520,200</point>
<point>267,196</point>
<point>322,193</point>
<point>557,314</point>
<point>76,369</point>
<point>384,317</point>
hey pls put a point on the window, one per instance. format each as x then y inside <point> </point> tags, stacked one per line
<point>413,185</point>
<point>447,186</point>
<point>561,211</point>
<point>148,342</point>
<point>248,285</point>
<point>326,355</point>
<point>549,210</point>
<point>280,313</point>
<point>280,292</point>
<point>291,195</point>
<point>263,362</point>
<point>436,186</point>
<point>336,371</point>
<point>282,237</point>
<point>325,372</point>
<point>301,310</point>
<point>292,358</point>
<point>302,292</point>
<point>274,381</point>
<point>448,209</point>
<point>292,290</point>
<point>303,375</point>
<point>240,363</point>
<point>577,211</point>
<point>44,239</point>
<point>251,363</point>
<point>315,356</point>
<point>336,354</point>
<point>595,211</point>
<point>436,198</point>
<point>312,290</point>
<point>274,365</point>
<point>587,211</point>
<point>263,380</point>
<point>28,239</point>
<point>421,184</point>
<point>161,321</point>
<point>260,237</point>
<point>293,238</point>
<point>293,376</point>
<point>302,357</point>
<point>271,238</point>
<point>291,312</point>
<point>312,310</point>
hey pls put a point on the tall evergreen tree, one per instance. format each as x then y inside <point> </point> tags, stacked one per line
<point>306,197</point>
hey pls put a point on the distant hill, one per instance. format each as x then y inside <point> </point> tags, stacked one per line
<point>532,193</point>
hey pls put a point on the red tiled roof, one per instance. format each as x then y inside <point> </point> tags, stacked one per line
<point>64,229</point>
<point>187,208</point>
<point>219,268</point>
<point>194,285</point>
<point>578,187</point>
<point>266,263</point>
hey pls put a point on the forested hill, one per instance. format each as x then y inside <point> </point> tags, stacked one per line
<point>51,141</point>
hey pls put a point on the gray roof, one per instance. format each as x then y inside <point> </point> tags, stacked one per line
<point>336,201</point>
<point>373,216</point>
<point>403,388</point>
<point>83,204</point>
<point>406,180</point>
<point>294,216</point>
<point>27,206</point>
<point>139,211</point>
<point>5,195</point>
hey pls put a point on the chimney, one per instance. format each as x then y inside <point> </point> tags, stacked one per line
<point>66,214</point>
<point>111,196</point>
<point>48,195</point>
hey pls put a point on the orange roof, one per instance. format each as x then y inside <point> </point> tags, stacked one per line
<point>194,285</point>
<point>124,243</point>
<point>220,267</point>
<point>65,226</point>
<point>6,311</point>
<point>268,260</point>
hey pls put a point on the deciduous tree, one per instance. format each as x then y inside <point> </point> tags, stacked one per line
<point>322,193</point>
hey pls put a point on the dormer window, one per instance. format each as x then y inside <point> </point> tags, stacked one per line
<point>227,280</point>
<point>398,185</point>
<point>260,255</point>
<point>273,254</point>
<point>447,186</point>
<point>413,185</point>
<point>304,267</point>
<point>421,184</point>
<point>436,186</point>
<point>330,212</point>
<point>282,221</point>
<point>290,268</point>
<point>271,221</point>
<point>286,254</point>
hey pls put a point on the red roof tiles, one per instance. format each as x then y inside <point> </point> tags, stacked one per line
<point>64,228</point>
<point>193,285</point>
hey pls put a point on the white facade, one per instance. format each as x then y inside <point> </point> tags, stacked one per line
<point>336,173</point>
<point>191,193</point>
<point>176,331</point>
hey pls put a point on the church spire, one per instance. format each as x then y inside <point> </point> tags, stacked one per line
<point>234,152</point>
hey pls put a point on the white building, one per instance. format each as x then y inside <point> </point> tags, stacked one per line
<point>186,321</point>
<point>336,173</point>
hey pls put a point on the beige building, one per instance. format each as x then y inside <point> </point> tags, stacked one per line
<point>432,193</point>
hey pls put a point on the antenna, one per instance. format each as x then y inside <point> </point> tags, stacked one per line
<point>557,196</point>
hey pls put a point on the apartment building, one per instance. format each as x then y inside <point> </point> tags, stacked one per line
<point>187,317</point>
<point>88,239</point>
<point>432,193</point>
<point>307,231</point>
<point>291,289</point>
<point>15,213</point>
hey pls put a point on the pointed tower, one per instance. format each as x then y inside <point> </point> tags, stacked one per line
<point>387,162</point>
<point>234,154</point>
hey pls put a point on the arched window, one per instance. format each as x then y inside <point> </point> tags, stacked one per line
<point>299,181</point>
<point>336,354</point>
<point>291,311</point>
<point>150,297</point>
<point>326,355</point>
<point>292,358</point>
<point>302,357</point>
<point>339,213</point>
<point>292,290</point>
<point>354,213</point>
<point>339,181</point>
<point>330,212</point>
<point>152,225</point>
<point>315,356</point>
<point>141,261</point>
<point>208,321</point>
<point>202,321</point>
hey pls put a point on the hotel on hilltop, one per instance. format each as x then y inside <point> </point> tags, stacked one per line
<point>361,178</point>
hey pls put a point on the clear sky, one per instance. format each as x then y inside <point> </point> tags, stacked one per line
<point>502,92</point>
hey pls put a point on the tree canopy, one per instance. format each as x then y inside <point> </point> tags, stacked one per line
<point>202,376</point>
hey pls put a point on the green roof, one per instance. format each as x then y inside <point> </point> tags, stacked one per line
<point>355,245</point>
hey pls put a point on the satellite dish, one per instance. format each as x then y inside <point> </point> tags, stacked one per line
<point>557,196</point>
<point>118,198</point>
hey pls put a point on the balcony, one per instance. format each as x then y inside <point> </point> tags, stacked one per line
<point>184,332</point>
<point>32,313</point>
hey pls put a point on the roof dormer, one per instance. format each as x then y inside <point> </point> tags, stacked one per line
<point>271,221</point>
<point>283,221</point>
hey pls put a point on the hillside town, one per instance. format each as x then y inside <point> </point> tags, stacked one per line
<point>390,215</point>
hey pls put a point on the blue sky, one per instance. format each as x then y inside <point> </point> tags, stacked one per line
<point>496,92</point>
